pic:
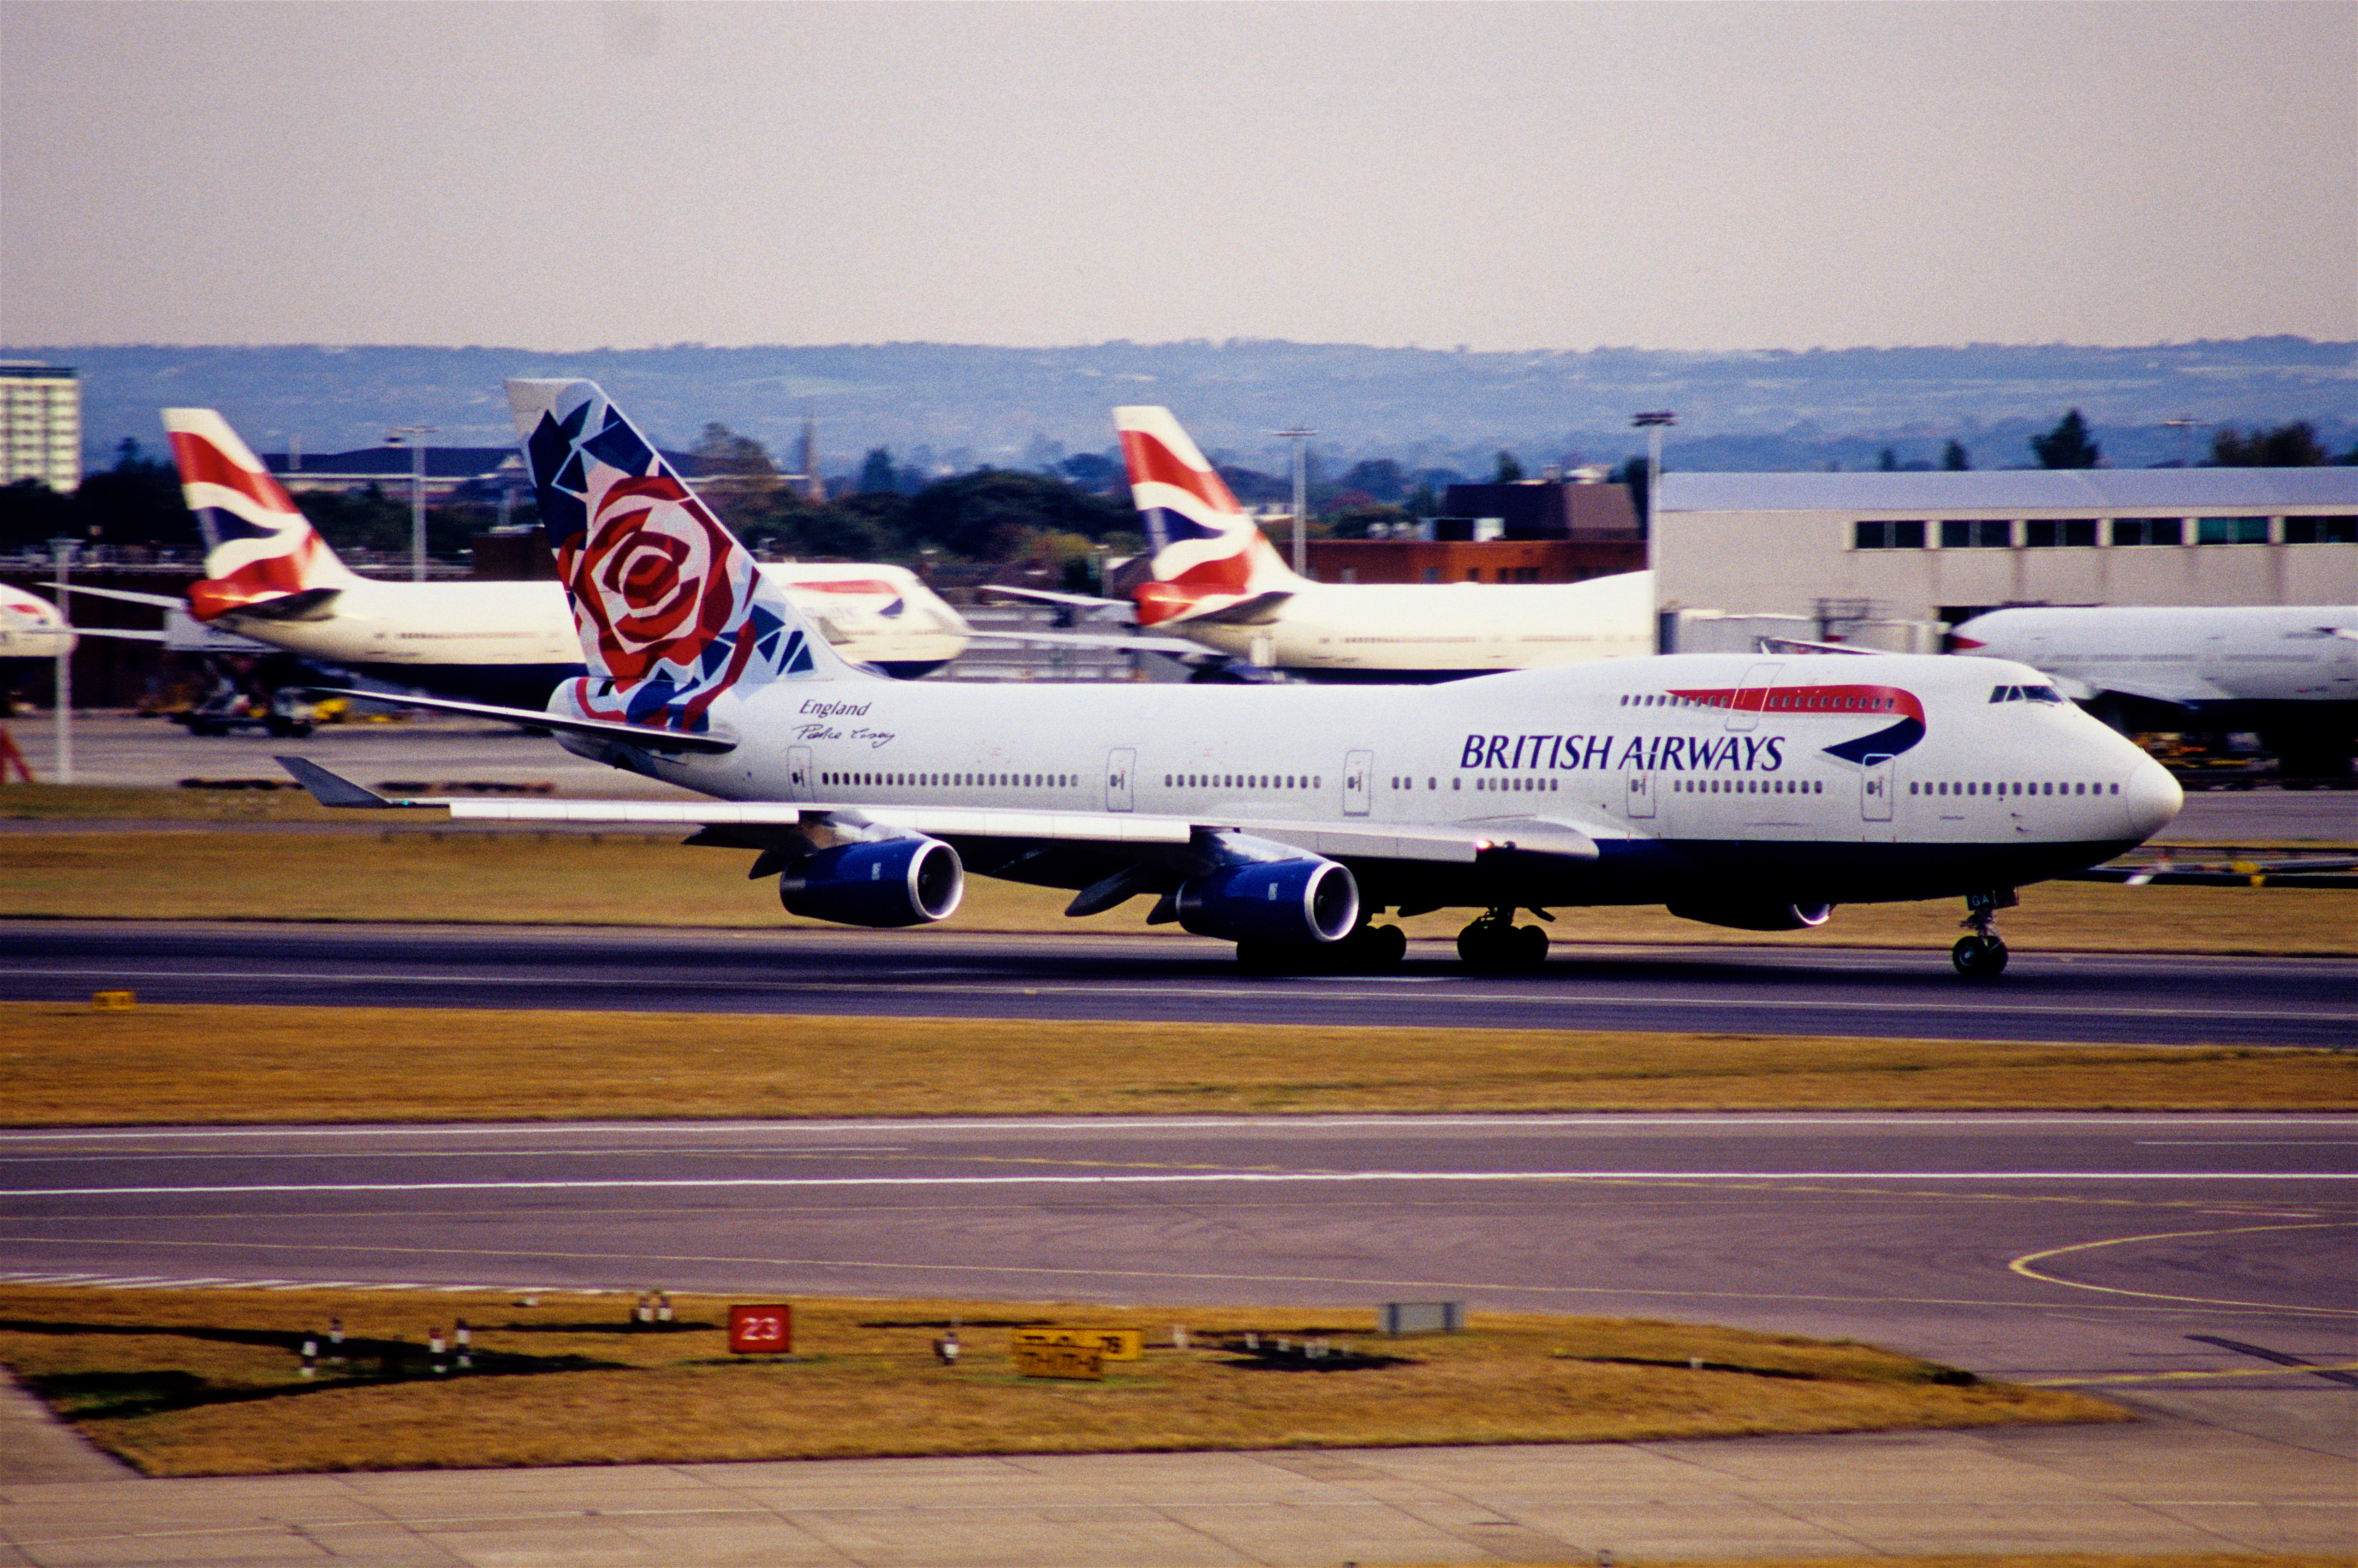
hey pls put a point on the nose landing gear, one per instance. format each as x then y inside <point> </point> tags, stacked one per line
<point>1495,945</point>
<point>1982,955</point>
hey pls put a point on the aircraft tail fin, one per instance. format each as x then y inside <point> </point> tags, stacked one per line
<point>670,608</point>
<point>258,546</point>
<point>1207,553</point>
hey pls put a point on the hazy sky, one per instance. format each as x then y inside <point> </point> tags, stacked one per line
<point>559,175</point>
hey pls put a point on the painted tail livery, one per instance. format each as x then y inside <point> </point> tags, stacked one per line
<point>672,611</point>
<point>1208,556</point>
<point>262,555</point>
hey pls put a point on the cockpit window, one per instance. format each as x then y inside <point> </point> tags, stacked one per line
<point>2025,694</point>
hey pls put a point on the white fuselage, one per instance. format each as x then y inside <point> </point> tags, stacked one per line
<point>1988,789</point>
<point>873,615</point>
<point>31,627</point>
<point>1455,628</point>
<point>2186,655</point>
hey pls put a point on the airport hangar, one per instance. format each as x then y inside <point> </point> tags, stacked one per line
<point>1892,561</point>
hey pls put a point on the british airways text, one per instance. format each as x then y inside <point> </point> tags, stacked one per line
<point>1674,754</point>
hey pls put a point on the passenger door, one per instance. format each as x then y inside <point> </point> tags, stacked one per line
<point>1358,783</point>
<point>798,773</point>
<point>1640,801</point>
<point>1875,793</point>
<point>1120,763</point>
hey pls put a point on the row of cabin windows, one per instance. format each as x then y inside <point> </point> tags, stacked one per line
<point>2078,533</point>
<point>2012,787</point>
<point>1244,781</point>
<point>952,781</point>
<point>1776,701</point>
<point>1747,786</point>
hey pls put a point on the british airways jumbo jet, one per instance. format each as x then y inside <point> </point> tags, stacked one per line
<point>1758,792</point>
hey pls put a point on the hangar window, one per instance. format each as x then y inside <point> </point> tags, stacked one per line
<point>2231,530</point>
<point>1976,534</point>
<point>2148,530</point>
<point>2050,533</point>
<point>2320,531</point>
<point>1887,536</point>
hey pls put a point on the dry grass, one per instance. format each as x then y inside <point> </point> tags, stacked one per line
<point>68,1064</point>
<point>417,872</point>
<point>205,1383</point>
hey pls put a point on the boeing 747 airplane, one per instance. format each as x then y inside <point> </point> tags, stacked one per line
<point>1752,792</point>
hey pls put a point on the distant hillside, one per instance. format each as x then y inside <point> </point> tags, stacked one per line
<point>946,406</point>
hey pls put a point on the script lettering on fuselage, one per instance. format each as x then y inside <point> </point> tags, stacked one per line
<point>1647,753</point>
<point>836,710</point>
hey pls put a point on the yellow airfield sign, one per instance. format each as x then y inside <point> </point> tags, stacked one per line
<point>1113,1344</point>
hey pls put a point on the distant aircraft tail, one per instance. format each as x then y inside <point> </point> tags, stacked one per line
<point>671,608</point>
<point>1208,554</point>
<point>258,546</point>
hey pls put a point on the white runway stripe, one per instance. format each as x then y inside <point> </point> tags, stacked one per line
<point>723,1183</point>
<point>209,1282</point>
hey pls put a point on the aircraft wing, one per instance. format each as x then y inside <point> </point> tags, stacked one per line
<point>1115,642</point>
<point>592,728</point>
<point>1050,596</point>
<point>1462,843</point>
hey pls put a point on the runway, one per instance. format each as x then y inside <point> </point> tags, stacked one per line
<point>2082,998</point>
<point>2027,1247</point>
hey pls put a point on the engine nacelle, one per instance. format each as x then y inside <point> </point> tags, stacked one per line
<point>889,882</point>
<point>1298,901</point>
<point>1756,916</point>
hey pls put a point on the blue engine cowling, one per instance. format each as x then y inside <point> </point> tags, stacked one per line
<point>1273,900</point>
<point>891,882</point>
<point>1755,916</point>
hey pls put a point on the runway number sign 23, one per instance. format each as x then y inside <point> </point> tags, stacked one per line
<point>762,1330</point>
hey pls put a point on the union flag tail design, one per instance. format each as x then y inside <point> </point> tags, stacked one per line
<point>258,547</point>
<point>1207,553</point>
<point>671,608</point>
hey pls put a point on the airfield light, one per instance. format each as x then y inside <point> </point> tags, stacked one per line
<point>1301,493</point>
<point>415,434</point>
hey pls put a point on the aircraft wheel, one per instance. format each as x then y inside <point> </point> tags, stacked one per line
<point>1979,957</point>
<point>1268,957</point>
<point>1374,950</point>
<point>1494,947</point>
<point>1530,948</point>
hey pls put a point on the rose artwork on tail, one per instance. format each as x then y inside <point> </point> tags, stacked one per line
<point>672,611</point>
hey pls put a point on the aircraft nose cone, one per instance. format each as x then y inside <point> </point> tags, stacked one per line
<point>2150,799</point>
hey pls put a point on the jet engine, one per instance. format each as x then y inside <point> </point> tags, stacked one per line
<point>887,881</point>
<point>1289,901</point>
<point>1756,916</point>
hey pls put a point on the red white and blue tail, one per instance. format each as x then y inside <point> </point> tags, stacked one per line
<point>672,611</point>
<point>258,547</point>
<point>1207,553</point>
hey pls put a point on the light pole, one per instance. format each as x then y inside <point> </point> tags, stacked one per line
<point>1301,493</point>
<point>1652,424</point>
<point>62,552</point>
<point>415,435</point>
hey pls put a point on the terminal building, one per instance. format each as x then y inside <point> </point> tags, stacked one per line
<point>40,424</point>
<point>1892,561</point>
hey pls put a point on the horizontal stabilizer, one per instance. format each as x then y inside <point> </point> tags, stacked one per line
<point>1243,612</point>
<point>160,600</point>
<point>303,604</point>
<point>329,788</point>
<point>712,743</point>
<point>993,590</point>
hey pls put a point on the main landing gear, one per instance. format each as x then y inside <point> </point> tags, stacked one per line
<point>1982,955</point>
<point>1495,945</point>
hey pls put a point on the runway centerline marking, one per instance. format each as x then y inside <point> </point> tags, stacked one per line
<point>1191,1177</point>
<point>2022,1266</point>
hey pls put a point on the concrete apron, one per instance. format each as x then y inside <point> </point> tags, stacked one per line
<point>2184,1481</point>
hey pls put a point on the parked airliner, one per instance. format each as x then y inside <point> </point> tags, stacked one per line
<point>1215,580</point>
<point>2289,671</point>
<point>1743,791</point>
<point>271,577</point>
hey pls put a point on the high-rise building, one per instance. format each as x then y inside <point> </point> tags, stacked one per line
<point>40,424</point>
